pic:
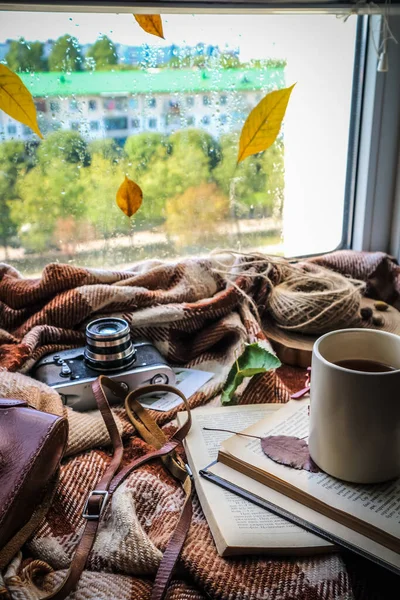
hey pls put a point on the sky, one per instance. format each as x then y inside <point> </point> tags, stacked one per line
<point>258,36</point>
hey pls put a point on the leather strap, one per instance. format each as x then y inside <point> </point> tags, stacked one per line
<point>97,499</point>
<point>113,477</point>
<point>154,435</point>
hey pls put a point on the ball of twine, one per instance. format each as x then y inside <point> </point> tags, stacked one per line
<point>315,300</point>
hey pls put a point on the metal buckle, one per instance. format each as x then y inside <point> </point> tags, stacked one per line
<point>85,514</point>
<point>189,471</point>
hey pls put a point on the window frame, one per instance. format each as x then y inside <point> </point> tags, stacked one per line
<point>375,225</point>
<point>372,207</point>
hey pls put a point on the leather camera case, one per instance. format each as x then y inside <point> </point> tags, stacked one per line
<point>32,444</point>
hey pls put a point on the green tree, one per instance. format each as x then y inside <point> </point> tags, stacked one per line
<point>143,148</point>
<point>187,167</point>
<point>58,186</point>
<point>26,56</point>
<point>245,184</point>
<point>193,217</point>
<point>13,160</point>
<point>67,146</point>
<point>273,161</point>
<point>170,174</point>
<point>197,138</point>
<point>103,53</point>
<point>107,148</point>
<point>100,182</point>
<point>65,54</point>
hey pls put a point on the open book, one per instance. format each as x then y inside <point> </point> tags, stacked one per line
<point>239,526</point>
<point>367,516</point>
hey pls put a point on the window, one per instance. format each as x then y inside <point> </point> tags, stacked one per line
<point>115,123</point>
<point>148,106</point>
<point>116,104</point>
<point>54,106</point>
<point>73,105</point>
<point>12,129</point>
<point>109,104</point>
<point>41,106</point>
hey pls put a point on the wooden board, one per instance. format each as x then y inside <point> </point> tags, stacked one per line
<point>295,349</point>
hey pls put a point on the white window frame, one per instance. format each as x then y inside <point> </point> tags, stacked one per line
<point>376,222</point>
<point>373,183</point>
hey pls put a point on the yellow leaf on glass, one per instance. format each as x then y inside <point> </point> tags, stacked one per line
<point>129,197</point>
<point>16,100</point>
<point>151,24</point>
<point>262,126</point>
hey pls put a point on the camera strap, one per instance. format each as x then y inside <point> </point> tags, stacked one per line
<point>114,475</point>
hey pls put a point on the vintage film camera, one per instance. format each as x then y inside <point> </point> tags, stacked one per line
<point>109,351</point>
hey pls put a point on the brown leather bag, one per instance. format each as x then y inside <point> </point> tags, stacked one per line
<point>32,444</point>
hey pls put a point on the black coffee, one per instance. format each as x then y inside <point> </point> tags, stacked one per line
<point>370,366</point>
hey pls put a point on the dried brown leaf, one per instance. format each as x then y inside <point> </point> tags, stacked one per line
<point>289,451</point>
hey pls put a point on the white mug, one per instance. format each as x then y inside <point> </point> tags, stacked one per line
<point>355,415</point>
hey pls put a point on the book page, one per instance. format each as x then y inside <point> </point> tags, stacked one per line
<point>377,505</point>
<point>355,539</point>
<point>234,522</point>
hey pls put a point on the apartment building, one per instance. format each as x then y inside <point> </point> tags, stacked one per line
<point>117,104</point>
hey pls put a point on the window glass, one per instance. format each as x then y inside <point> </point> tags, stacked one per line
<point>73,105</point>
<point>113,123</point>
<point>168,114</point>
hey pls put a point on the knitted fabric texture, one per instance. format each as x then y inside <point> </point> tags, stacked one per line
<point>198,319</point>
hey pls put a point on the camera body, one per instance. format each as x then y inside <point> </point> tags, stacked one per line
<point>108,351</point>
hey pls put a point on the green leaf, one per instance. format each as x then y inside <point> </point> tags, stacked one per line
<point>255,359</point>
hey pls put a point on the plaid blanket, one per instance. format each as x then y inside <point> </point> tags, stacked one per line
<point>198,317</point>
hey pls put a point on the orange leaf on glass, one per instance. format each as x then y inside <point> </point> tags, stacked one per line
<point>16,100</point>
<point>129,197</point>
<point>151,24</point>
<point>262,126</point>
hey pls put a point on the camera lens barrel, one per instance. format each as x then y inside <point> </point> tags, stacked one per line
<point>108,344</point>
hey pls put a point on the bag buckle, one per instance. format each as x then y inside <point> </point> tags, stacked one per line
<point>92,517</point>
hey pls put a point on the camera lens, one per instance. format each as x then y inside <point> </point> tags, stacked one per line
<point>108,344</point>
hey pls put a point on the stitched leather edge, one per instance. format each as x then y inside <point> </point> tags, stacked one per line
<point>8,402</point>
